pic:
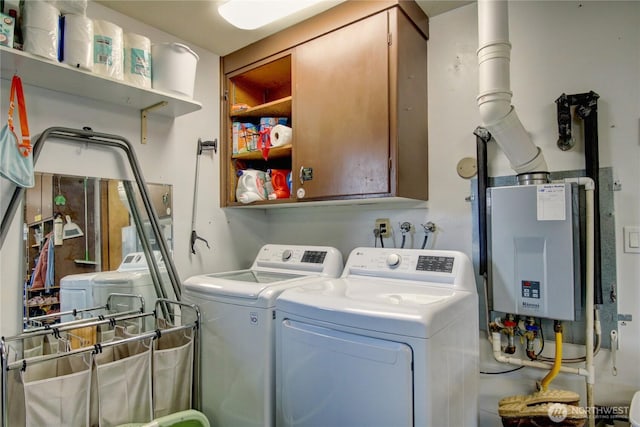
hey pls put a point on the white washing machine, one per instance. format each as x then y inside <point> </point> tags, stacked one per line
<point>76,292</point>
<point>131,277</point>
<point>392,342</point>
<point>237,332</point>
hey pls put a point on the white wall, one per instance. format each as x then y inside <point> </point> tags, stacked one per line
<point>570,47</point>
<point>168,157</point>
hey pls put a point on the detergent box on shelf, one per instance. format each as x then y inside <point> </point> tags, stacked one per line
<point>267,123</point>
<point>245,137</point>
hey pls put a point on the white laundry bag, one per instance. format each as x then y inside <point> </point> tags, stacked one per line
<point>56,392</point>
<point>29,348</point>
<point>172,372</point>
<point>123,385</point>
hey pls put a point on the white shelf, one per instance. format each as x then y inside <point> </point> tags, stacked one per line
<point>59,77</point>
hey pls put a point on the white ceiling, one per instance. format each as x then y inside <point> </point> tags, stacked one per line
<point>198,22</point>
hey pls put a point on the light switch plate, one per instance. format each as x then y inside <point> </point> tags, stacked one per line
<point>631,239</point>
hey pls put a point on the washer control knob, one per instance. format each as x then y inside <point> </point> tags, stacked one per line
<point>286,255</point>
<point>393,260</point>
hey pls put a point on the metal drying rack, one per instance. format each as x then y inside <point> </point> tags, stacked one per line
<point>87,136</point>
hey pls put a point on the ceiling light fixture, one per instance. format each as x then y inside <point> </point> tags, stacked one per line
<point>252,14</point>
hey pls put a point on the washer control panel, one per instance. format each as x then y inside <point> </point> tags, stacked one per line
<point>439,264</point>
<point>443,267</point>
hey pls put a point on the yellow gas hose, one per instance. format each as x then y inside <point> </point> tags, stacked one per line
<point>557,363</point>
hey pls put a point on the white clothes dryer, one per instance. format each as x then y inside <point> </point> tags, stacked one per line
<point>237,331</point>
<point>392,342</point>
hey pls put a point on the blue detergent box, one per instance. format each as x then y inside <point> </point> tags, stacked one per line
<point>7,26</point>
<point>269,122</point>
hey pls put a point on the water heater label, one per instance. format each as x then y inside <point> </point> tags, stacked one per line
<point>551,202</point>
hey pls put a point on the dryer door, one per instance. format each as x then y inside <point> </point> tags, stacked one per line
<point>333,378</point>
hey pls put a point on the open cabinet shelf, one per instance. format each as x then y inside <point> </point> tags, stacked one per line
<point>278,108</point>
<point>274,153</point>
<point>265,91</point>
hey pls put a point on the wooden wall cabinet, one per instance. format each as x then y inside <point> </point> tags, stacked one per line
<point>39,199</point>
<point>353,84</point>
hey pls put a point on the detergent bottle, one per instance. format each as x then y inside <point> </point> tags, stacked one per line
<point>251,186</point>
<point>279,182</point>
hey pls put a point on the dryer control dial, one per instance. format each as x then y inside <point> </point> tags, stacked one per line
<point>286,255</point>
<point>393,260</point>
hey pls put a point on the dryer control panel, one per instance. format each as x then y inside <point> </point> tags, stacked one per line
<point>449,268</point>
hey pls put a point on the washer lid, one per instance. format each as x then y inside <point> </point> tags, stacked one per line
<point>248,284</point>
<point>119,277</point>
<point>80,280</point>
<point>398,307</point>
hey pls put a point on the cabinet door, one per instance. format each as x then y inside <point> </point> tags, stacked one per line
<point>33,202</point>
<point>47,196</point>
<point>341,111</point>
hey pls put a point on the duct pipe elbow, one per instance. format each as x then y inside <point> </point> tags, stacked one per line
<point>513,139</point>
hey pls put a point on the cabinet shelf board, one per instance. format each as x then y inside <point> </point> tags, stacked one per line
<point>381,202</point>
<point>272,75</point>
<point>38,223</point>
<point>52,288</point>
<point>261,203</point>
<point>43,304</point>
<point>60,77</point>
<point>274,153</point>
<point>278,108</point>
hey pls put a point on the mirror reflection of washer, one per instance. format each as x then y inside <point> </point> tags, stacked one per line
<point>392,342</point>
<point>238,329</point>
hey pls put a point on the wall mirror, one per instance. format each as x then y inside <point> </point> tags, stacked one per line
<point>76,226</point>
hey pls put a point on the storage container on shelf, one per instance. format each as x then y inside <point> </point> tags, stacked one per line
<point>173,68</point>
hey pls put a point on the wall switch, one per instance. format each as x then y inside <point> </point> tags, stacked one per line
<point>384,225</point>
<point>632,239</point>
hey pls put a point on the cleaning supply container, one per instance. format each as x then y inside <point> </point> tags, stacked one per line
<point>173,68</point>
<point>251,186</point>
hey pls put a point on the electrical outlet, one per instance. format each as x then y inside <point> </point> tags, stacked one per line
<point>384,225</point>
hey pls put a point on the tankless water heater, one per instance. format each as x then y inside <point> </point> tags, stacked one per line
<point>534,250</point>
